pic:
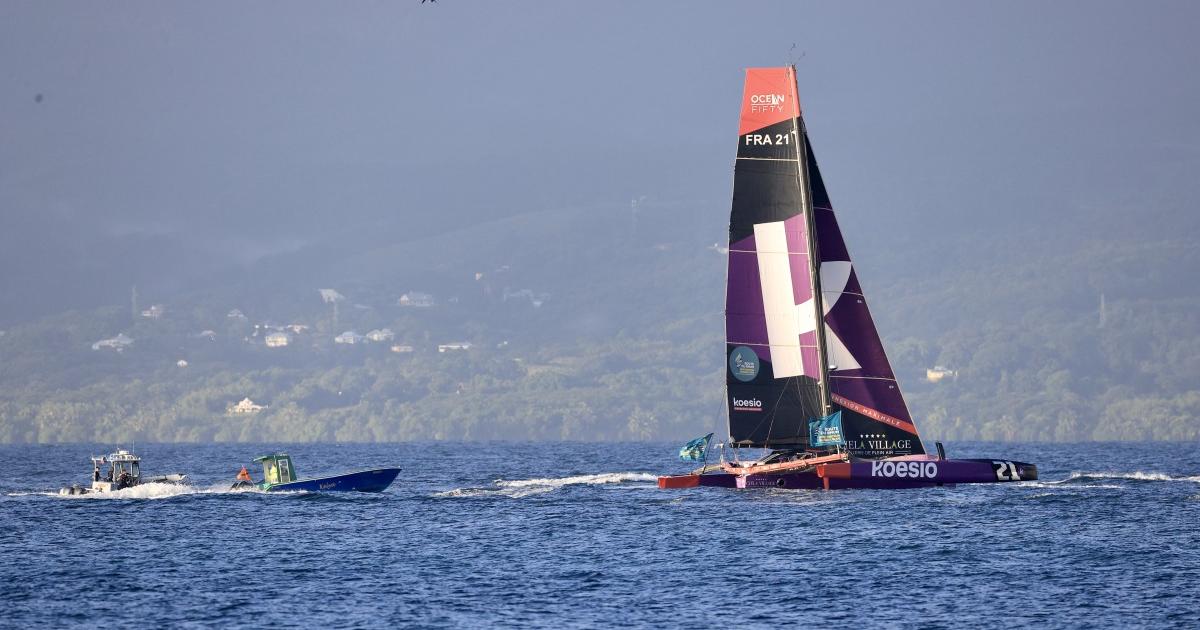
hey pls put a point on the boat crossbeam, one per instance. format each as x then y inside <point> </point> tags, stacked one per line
<point>795,465</point>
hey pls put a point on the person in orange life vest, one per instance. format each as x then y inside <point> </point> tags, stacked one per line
<point>244,475</point>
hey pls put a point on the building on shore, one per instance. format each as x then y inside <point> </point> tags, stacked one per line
<point>381,335</point>
<point>118,343</point>
<point>416,299</point>
<point>938,373</point>
<point>348,338</point>
<point>245,406</point>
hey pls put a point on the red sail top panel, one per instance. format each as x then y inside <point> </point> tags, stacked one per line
<point>769,98</point>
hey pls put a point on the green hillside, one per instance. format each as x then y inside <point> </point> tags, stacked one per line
<point>625,339</point>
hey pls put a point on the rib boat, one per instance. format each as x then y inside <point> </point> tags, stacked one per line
<point>807,377</point>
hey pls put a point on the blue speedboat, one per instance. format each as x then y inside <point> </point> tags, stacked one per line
<point>280,475</point>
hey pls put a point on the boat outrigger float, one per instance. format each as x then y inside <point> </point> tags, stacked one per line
<point>821,398</point>
<point>279,475</point>
<point>124,471</point>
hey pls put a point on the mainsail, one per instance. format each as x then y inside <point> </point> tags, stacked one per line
<point>788,270</point>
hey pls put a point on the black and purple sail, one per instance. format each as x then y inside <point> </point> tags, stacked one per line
<point>789,269</point>
<point>801,347</point>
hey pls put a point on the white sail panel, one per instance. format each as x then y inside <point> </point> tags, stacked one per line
<point>775,278</point>
<point>835,275</point>
<point>837,354</point>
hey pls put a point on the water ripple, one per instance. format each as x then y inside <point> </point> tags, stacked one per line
<point>577,535</point>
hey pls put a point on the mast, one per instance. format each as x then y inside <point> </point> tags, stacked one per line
<point>772,307</point>
<point>798,345</point>
<point>814,257</point>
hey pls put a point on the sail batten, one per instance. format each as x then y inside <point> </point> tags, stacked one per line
<point>800,342</point>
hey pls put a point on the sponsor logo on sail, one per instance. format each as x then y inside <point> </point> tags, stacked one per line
<point>743,364</point>
<point>767,102</point>
<point>749,404</point>
<point>910,470</point>
<point>873,414</point>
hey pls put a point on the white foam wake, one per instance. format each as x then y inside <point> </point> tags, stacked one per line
<point>155,491</point>
<point>517,488</point>
<point>558,482</point>
<point>1136,475</point>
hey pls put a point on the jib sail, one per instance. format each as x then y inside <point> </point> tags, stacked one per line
<point>875,417</point>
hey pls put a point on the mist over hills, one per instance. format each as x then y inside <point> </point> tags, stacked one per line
<point>626,341</point>
<point>997,170</point>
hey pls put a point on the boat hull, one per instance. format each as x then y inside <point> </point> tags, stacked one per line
<point>376,480</point>
<point>99,487</point>
<point>891,474</point>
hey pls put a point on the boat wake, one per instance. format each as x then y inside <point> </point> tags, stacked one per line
<point>517,488</point>
<point>145,491</point>
<point>1081,478</point>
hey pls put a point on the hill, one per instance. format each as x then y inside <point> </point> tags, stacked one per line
<point>604,322</point>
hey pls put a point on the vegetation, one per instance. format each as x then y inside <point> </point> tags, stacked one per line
<point>627,345</point>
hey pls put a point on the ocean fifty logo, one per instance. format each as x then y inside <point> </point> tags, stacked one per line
<point>767,102</point>
<point>743,364</point>
<point>752,404</point>
<point>912,470</point>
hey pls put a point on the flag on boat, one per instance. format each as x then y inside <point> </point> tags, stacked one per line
<point>826,431</point>
<point>694,450</point>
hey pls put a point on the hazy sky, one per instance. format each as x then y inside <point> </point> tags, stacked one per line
<point>231,130</point>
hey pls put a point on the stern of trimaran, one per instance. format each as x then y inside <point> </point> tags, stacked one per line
<point>788,270</point>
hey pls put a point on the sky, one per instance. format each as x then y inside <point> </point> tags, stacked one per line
<point>156,142</point>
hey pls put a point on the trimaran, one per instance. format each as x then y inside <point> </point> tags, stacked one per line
<point>822,398</point>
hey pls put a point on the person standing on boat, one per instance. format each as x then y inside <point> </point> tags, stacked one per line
<point>244,475</point>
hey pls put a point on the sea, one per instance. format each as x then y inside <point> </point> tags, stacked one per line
<point>565,535</point>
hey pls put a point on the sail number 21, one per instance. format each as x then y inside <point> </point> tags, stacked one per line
<point>1006,471</point>
<point>768,140</point>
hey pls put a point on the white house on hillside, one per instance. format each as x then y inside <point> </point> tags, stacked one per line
<point>118,343</point>
<point>454,347</point>
<point>349,337</point>
<point>416,299</point>
<point>277,339</point>
<point>381,335</point>
<point>939,373</point>
<point>246,406</point>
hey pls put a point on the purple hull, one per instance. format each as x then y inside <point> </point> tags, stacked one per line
<point>895,473</point>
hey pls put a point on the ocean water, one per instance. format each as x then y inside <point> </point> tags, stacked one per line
<point>577,535</point>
